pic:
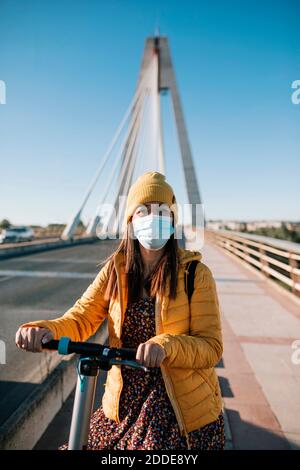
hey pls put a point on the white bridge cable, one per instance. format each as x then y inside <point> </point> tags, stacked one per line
<point>120,153</point>
<point>148,87</point>
<point>91,229</point>
<point>128,156</point>
<point>155,104</point>
<point>134,159</point>
<point>150,148</point>
<point>142,138</point>
<point>134,117</point>
<point>127,139</point>
<point>159,127</point>
<point>146,137</point>
<point>114,140</point>
<point>118,158</point>
<point>135,131</point>
<point>129,146</point>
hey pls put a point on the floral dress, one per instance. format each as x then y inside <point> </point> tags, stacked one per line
<point>147,418</point>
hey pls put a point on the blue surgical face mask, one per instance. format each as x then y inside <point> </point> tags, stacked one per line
<point>153,231</point>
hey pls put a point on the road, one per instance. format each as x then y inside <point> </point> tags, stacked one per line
<point>39,286</point>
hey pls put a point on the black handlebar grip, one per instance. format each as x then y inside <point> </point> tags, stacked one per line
<point>125,353</point>
<point>53,344</point>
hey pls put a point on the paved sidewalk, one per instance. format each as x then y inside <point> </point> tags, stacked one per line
<point>260,384</point>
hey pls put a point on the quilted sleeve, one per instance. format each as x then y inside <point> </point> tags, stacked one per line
<point>84,318</point>
<point>203,348</point>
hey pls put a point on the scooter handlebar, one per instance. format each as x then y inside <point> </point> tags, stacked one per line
<point>66,346</point>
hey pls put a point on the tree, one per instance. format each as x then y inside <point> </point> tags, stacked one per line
<point>5,224</point>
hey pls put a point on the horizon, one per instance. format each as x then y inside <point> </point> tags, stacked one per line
<point>296,221</point>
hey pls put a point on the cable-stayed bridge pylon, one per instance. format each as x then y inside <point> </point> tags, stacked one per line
<point>137,145</point>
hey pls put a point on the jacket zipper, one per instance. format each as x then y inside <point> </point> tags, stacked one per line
<point>122,316</point>
<point>169,385</point>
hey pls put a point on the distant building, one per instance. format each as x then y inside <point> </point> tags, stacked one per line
<point>249,226</point>
<point>293,226</point>
<point>254,225</point>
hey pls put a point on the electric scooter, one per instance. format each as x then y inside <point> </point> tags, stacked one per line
<point>93,357</point>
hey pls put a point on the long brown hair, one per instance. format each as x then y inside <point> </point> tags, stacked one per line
<point>156,280</point>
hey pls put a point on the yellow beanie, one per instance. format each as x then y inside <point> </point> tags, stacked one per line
<point>151,186</point>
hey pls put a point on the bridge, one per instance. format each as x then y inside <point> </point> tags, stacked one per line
<point>257,282</point>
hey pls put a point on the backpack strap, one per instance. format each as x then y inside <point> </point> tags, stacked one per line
<point>189,278</point>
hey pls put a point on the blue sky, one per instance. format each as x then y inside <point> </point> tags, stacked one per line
<point>71,67</point>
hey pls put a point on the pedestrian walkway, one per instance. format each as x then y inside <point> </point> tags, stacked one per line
<point>260,384</point>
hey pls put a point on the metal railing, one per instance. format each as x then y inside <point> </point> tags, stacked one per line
<point>277,259</point>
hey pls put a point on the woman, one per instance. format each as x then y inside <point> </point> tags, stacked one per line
<point>140,289</point>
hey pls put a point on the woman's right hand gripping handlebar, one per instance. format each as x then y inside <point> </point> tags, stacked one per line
<point>31,338</point>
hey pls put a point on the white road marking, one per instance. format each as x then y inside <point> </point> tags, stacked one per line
<point>5,278</point>
<point>61,274</point>
<point>54,260</point>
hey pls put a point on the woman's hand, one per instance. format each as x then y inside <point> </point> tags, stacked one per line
<point>150,354</point>
<point>31,338</point>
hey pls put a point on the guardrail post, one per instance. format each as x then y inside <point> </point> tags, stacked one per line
<point>264,262</point>
<point>294,277</point>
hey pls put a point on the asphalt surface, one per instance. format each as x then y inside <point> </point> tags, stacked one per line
<point>34,287</point>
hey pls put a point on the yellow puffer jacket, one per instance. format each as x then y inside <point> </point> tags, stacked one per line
<point>192,339</point>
